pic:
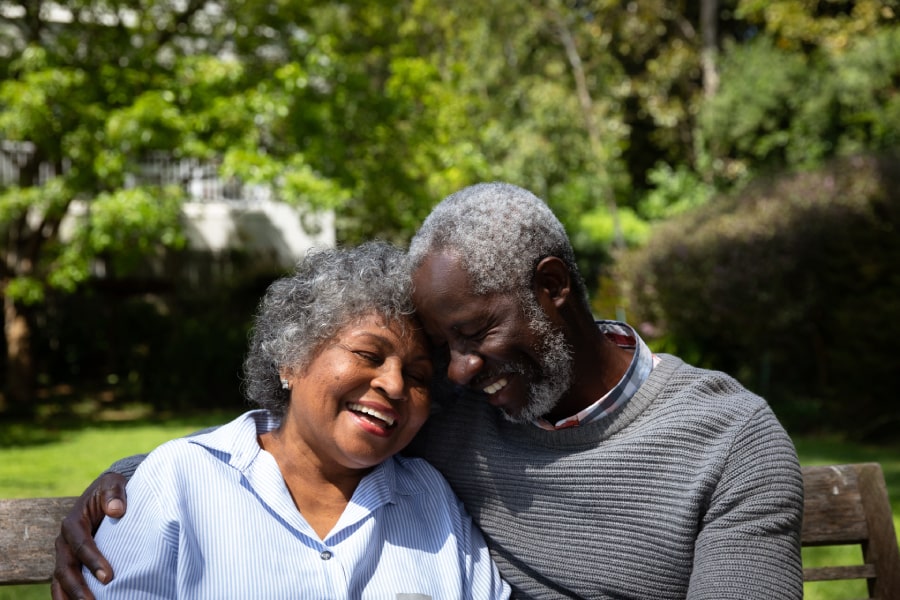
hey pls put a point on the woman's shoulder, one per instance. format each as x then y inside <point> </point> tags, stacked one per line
<point>222,442</point>
<point>414,465</point>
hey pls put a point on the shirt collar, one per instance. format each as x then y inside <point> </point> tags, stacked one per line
<point>642,362</point>
<point>236,443</point>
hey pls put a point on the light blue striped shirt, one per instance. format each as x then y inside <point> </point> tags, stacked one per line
<point>211,517</point>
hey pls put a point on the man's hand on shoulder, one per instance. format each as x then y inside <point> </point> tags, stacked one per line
<point>75,544</point>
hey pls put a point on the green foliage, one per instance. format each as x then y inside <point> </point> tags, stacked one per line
<point>377,110</point>
<point>792,286</point>
<point>763,115</point>
<point>819,86</point>
<point>26,290</point>
<point>674,191</point>
<point>623,226</point>
<point>869,94</point>
<point>134,219</point>
<point>831,25</point>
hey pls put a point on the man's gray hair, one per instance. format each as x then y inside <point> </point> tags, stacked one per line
<point>500,232</point>
<point>330,289</point>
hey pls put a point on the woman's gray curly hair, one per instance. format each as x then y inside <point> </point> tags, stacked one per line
<point>329,289</point>
<point>500,232</point>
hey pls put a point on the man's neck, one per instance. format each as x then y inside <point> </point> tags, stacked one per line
<point>598,369</point>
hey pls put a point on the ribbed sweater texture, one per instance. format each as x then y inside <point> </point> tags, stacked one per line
<point>692,489</point>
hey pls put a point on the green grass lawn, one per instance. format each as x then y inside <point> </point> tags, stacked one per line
<point>60,461</point>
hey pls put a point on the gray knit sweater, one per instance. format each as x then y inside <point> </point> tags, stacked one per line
<point>691,490</point>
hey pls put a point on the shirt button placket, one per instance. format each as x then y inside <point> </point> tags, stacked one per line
<point>335,581</point>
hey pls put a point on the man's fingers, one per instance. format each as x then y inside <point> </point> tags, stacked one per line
<point>75,545</point>
<point>56,592</point>
<point>77,532</point>
<point>112,496</point>
<point>68,582</point>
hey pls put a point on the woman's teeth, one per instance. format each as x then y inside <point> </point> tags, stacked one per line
<point>372,413</point>
<point>496,386</point>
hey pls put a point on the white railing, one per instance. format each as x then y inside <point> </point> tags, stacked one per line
<point>200,179</point>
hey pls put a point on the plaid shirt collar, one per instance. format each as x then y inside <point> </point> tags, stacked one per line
<point>642,363</point>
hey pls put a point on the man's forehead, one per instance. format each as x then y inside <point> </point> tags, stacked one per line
<point>441,273</point>
<point>442,259</point>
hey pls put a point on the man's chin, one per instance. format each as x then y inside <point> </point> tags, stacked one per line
<point>531,412</point>
<point>543,398</point>
<point>517,418</point>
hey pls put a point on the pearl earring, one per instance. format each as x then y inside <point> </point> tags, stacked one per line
<point>285,385</point>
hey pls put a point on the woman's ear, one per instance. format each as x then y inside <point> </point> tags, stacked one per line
<point>552,282</point>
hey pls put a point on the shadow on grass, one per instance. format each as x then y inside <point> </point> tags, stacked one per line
<point>56,415</point>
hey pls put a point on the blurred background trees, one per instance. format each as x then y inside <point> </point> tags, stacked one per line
<point>725,168</point>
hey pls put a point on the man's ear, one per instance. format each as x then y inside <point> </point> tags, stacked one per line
<point>552,281</point>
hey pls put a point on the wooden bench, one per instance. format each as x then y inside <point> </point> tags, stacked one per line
<point>844,505</point>
<point>28,529</point>
<point>848,505</point>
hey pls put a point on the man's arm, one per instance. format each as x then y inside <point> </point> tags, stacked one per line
<point>75,544</point>
<point>749,545</point>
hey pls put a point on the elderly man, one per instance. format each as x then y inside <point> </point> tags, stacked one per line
<point>594,468</point>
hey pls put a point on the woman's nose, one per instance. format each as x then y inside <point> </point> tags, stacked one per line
<point>390,380</point>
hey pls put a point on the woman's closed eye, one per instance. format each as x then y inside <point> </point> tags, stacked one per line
<point>368,356</point>
<point>419,377</point>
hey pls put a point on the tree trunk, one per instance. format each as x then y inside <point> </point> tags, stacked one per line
<point>20,389</point>
<point>709,28</point>
<point>587,110</point>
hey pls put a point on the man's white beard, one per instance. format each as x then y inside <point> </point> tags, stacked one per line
<point>556,367</point>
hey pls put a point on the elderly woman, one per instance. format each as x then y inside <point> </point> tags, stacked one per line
<point>305,497</point>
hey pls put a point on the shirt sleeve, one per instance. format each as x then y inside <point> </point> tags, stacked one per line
<point>749,544</point>
<point>483,577</point>
<point>141,546</point>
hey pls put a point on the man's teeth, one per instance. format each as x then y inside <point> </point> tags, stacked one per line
<point>496,386</point>
<point>372,413</point>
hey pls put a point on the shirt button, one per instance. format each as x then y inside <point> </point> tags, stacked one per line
<point>326,555</point>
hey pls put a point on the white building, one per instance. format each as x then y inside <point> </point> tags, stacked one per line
<point>222,219</point>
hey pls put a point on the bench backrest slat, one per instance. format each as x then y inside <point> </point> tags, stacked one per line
<point>833,510</point>
<point>848,504</point>
<point>28,528</point>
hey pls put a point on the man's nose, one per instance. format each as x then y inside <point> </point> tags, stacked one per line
<point>463,366</point>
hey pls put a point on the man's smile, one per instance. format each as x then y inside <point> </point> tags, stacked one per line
<point>496,386</point>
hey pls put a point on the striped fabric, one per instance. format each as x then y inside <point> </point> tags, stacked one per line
<point>210,517</point>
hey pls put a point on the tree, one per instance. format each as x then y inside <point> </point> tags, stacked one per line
<point>92,91</point>
<point>816,80</point>
<point>791,286</point>
<point>609,111</point>
<point>318,101</point>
